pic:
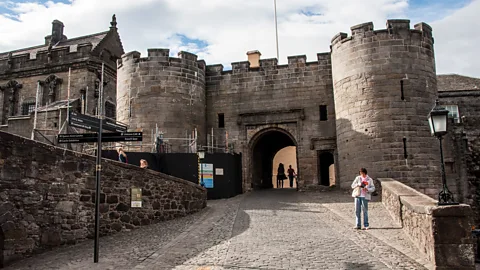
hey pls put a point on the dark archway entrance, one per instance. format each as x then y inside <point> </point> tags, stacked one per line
<point>264,148</point>
<point>287,156</point>
<point>326,171</point>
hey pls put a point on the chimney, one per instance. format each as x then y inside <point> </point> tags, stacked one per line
<point>254,58</point>
<point>57,32</point>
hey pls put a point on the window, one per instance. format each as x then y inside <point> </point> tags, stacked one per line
<point>453,113</point>
<point>401,90</point>
<point>221,120</point>
<point>110,110</point>
<point>323,113</point>
<point>28,107</point>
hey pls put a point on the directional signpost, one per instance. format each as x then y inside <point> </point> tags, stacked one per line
<point>106,137</point>
<point>92,124</point>
<point>98,125</point>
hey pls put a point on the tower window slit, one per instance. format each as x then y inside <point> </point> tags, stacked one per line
<point>401,89</point>
<point>221,120</point>
<point>323,113</point>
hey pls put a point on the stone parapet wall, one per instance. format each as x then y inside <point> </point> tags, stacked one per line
<point>64,54</point>
<point>47,196</point>
<point>442,233</point>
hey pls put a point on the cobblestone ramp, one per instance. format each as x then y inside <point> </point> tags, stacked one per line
<point>276,229</point>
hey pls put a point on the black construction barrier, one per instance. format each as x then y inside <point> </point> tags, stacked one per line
<point>226,168</point>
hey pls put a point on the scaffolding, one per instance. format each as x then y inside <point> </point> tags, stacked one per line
<point>47,127</point>
<point>219,142</point>
<point>50,133</point>
<point>163,144</point>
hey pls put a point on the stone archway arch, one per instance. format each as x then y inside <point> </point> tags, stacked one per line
<point>261,132</point>
<point>263,146</point>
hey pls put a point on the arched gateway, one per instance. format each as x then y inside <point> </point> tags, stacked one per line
<point>262,147</point>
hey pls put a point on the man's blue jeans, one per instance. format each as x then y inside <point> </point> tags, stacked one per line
<point>360,203</point>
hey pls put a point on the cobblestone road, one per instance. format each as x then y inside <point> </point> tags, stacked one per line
<point>276,229</point>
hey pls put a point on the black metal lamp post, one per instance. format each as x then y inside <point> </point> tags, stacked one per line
<point>201,155</point>
<point>437,120</point>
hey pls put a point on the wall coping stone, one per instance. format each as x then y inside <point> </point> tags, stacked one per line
<point>442,233</point>
<point>11,136</point>
<point>422,203</point>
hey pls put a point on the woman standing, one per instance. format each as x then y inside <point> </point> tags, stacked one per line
<point>281,175</point>
<point>362,192</point>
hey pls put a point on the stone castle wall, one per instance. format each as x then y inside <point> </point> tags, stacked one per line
<point>26,62</point>
<point>473,168</point>
<point>461,147</point>
<point>47,196</point>
<point>384,88</point>
<point>378,87</point>
<point>275,96</point>
<point>162,90</point>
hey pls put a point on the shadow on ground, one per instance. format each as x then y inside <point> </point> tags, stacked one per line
<point>267,229</point>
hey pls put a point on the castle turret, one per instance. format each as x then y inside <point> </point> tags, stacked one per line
<point>384,88</point>
<point>162,91</point>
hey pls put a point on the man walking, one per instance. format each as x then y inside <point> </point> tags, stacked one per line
<point>291,175</point>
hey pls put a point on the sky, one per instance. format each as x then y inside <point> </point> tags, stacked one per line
<point>222,31</point>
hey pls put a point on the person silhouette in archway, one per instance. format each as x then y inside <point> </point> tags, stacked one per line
<point>291,175</point>
<point>280,175</point>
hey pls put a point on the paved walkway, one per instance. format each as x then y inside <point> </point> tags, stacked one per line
<point>276,229</point>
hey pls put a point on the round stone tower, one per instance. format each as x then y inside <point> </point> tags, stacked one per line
<point>164,92</point>
<point>384,87</point>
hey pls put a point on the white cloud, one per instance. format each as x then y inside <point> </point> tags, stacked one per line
<point>229,27</point>
<point>457,43</point>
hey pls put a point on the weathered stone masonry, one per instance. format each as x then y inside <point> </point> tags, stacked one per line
<point>375,89</point>
<point>49,64</point>
<point>377,85</point>
<point>274,96</point>
<point>47,196</point>
<point>384,88</point>
<point>162,90</point>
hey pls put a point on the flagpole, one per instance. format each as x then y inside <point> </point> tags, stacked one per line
<point>276,26</point>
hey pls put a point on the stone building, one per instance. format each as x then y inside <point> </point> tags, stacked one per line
<point>363,104</point>
<point>460,95</point>
<point>46,68</point>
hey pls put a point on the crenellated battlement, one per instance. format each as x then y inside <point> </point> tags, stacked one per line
<point>395,29</point>
<point>295,61</point>
<point>40,58</point>
<point>162,57</point>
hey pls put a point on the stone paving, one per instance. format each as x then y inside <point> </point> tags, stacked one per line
<point>276,229</point>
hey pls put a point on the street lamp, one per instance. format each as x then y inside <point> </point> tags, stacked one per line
<point>437,119</point>
<point>201,155</point>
